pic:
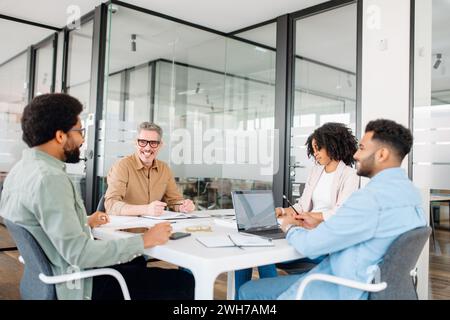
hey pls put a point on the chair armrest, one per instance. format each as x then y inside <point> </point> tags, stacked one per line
<point>371,287</point>
<point>88,274</point>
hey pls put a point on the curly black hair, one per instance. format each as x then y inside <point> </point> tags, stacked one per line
<point>393,134</point>
<point>46,114</point>
<point>338,141</point>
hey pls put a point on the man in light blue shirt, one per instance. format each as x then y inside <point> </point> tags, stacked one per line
<point>361,231</point>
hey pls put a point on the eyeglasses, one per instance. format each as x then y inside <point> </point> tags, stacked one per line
<point>153,143</point>
<point>82,131</point>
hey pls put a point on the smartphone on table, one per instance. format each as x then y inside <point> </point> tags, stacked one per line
<point>179,235</point>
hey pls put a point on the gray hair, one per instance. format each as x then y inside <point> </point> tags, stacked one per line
<point>150,127</point>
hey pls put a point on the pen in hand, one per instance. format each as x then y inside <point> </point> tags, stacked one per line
<point>290,204</point>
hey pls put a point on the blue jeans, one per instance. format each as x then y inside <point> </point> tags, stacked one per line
<point>267,289</point>
<point>245,275</point>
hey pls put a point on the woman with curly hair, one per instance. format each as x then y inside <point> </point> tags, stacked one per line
<point>332,180</point>
<point>330,183</point>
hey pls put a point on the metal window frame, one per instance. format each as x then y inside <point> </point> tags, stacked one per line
<point>100,17</point>
<point>65,56</point>
<point>31,53</point>
<point>412,40</point>
<point>53,39</point>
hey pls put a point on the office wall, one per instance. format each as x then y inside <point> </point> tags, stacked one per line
<point>15,83</point>
<point>204,90</point>
<point>385,61</point>
<point>324,83</point>
<point>385,80</point>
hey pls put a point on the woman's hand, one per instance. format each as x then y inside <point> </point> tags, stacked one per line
<point>279,212</point>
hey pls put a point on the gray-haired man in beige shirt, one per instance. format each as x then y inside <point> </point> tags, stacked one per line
<point>140,184</point>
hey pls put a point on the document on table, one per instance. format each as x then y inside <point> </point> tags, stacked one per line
<point>234,240</point>
<point>171,215</point>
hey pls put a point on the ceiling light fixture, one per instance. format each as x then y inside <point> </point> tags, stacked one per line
<point>133,42</point>
<point>261,49</point>
<point>438,61</point>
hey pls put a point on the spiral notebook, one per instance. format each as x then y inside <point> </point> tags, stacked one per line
<point>234,240</point>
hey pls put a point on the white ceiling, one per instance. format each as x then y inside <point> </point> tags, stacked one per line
<point>26,35</point>
<point>224,16</point>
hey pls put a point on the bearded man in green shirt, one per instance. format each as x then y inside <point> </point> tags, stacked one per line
<point>39,196</point>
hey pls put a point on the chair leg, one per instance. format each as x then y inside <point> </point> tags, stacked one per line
<point>432,228</point>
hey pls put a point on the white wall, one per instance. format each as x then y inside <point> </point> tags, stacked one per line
<point>385,77</point>
<point>385,64</point>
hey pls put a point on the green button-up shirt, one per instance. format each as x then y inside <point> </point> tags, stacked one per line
<point>39,196</point>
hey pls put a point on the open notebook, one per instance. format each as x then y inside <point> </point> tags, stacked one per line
<point>234,240</point>
<point>171,215</point>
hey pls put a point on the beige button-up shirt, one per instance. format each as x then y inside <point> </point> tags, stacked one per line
<point>130,182</point>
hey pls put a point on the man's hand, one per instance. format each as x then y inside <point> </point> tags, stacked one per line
<point>157,235</point>
<point>309,220</point>
<point>97,219</point>
<point>186,206</point>
<point>156,208</point>
<point>289,219</point>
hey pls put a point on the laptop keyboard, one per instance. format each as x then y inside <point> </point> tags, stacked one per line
<point>275,234</point>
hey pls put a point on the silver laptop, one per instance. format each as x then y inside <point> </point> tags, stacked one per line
<point>255,213</point>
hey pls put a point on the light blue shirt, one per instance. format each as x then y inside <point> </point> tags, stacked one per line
<point>359,234</point>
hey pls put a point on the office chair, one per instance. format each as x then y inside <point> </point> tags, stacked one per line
<point>38,281</point>
<point>3,224</point>
<point>397,272</point>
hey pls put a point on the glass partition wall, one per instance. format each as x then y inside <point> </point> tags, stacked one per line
<point>431,110</point>
<point>17,82</point>
<point>324,82</point>
<point>78,80</point>
<point>212,95</point>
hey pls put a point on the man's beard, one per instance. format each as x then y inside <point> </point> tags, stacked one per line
<point>366,166</point>
<point>72,155</point>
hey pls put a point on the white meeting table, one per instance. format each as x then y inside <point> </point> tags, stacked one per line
<point>205,263</point>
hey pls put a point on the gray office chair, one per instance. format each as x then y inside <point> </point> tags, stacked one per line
<point>397,272</point>
<point>3,224</point>
<point>38,281</point>
<point>398,266</point>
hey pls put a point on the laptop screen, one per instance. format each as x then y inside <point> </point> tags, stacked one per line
<point>254,209</point>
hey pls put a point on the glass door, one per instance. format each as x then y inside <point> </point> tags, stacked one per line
<point>44,57</point>
<point>324,82</point>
